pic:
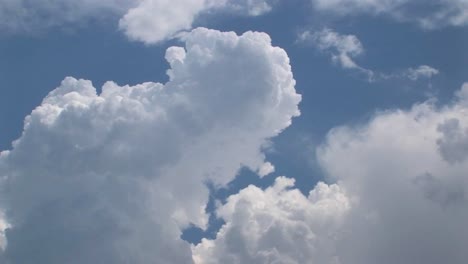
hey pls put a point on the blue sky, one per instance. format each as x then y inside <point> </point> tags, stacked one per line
<point>338,132</point>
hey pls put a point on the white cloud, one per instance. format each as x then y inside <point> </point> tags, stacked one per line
<point>428,14</point>
<point>250,7</point>
<point>153,21</point>
<point>343,46</point>
<point>156,20</point>
<point>400,197</point>
<point>344,49</point>
<point>115,177</point>
<point>149,21</point>
<point>408,170</point>
<point>266,169</point>
<point>422,71</point>
<point>278,225</point>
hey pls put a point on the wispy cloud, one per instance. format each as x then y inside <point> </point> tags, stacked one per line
<point>149,21</point>
<point>345,49</point>
<point>421,72</point>
<point>428,14</point>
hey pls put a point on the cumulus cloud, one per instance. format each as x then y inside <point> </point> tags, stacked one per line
<point>344,49</point>
<point>407,168</point>
<point>400,197</point>
<point>114,177</point>
<point>150,21</point>
<point>278,225</point>
<point>428,14</point>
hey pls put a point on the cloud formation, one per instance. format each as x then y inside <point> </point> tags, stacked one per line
<point>429,14</point>
<point>423,71</point>
<point>277,225</point>
<point>400,197</point>
<point>344,49</point>
<point>153,21</point>
<point>407,170</point>
<point>149,21</point>
<point>114,177</point>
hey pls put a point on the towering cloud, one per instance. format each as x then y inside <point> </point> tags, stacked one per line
<point>114,177</point>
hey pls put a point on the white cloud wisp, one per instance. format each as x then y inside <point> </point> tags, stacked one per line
<point>344,49</point>
<point>149,21</point>
<point>429,14</point>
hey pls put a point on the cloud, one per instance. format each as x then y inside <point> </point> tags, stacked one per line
<point>153,21</point>
<point>429,14</point>
<point>422,71</point>
<point>149,21</point>
<point>266,169</point>
<point>250,7</point>
<point>278,225</point>
<point>114,177</point>
<point>407,170</point>
<point>400,196</point>
<point>344,49</point>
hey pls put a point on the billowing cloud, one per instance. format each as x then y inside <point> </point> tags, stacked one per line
<point>400,197</point>
<point>344,49</point>
<point>114,177</point>
<point>278,225</point>
<point>407,168</point>
<point>150,21</point>
<point>428,14</point>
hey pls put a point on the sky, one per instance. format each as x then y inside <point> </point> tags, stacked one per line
<point>233,131</point>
